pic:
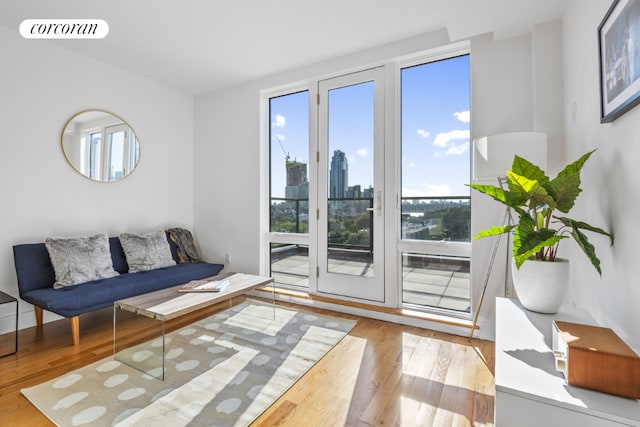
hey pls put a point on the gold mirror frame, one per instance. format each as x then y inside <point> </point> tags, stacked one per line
<point>100,145</point>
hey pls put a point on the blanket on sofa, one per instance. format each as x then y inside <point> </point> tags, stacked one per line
<point>187,251</point>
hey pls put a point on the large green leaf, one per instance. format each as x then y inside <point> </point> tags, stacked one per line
<point>535,193</point>
<point>534,241</point>
<point>527,240</point>
<point>575,167</point>
<point>525,168</point>
<point>584,226</point>
<point>587,247</point>
<point>505,197</point>
<point>490,190</point>
<point>550,242</point>
<point>494,231</point>
<point>565,187</point>
<point>565,190</point>
<point>526,237</point>
<point>520,259</point>
<point>582,239</point>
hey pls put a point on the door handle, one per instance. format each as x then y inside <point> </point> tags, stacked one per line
<point>377,206</point>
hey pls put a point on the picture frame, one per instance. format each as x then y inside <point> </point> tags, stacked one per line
<point>619,57</point>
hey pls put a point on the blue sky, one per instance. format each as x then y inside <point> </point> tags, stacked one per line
<point>435,130</point>
<point>289,134</point>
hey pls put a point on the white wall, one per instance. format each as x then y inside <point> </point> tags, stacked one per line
<point>501,102</point>
<point>610,180</point>
<point>516,86</point>
<point>227,141</point>
<point>42,86</point>
<point>227,177</point>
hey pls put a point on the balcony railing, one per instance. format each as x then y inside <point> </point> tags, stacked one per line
<point>436,218</point>
<point>429,280</point>
<point>351,224</point>
<point>289,215</point>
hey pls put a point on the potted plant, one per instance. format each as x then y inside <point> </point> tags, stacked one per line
<point>535,197</point>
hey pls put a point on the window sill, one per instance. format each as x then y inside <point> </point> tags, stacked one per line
<point>402,312</point>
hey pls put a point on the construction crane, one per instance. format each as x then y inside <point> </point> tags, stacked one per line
<point>286,153</point>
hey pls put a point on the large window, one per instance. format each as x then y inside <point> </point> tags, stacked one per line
<point>435,205</point>
<point>289,186</point>
<point>348,206</point>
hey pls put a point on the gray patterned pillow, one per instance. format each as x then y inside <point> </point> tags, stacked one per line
<point>80,259</point>
<point>146,251</point>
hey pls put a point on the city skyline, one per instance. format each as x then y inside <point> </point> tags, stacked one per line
<point>298,185</point>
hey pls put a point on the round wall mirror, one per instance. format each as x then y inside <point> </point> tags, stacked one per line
<point>100,145</point>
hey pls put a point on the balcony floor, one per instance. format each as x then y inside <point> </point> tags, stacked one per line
<point>422,286</point>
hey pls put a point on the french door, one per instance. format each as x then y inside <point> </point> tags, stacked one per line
<point>350,186</point>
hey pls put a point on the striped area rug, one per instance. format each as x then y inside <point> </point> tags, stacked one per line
<point>224,371</point>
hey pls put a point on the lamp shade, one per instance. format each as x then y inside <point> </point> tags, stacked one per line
<point>493,154</point>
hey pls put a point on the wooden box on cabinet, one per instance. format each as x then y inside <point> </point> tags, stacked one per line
<point>527,381</point>
<point>596,358</point>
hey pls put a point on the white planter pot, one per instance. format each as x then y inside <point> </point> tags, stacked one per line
<point>541,285</point>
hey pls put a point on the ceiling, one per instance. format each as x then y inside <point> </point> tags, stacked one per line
<point>203,45</point>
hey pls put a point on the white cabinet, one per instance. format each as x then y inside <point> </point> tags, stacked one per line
<point>530,392</point>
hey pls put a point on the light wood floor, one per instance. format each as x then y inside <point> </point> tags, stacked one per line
<point>380,374</point>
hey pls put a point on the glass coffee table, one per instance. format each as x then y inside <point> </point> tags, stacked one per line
<point>156,308</point>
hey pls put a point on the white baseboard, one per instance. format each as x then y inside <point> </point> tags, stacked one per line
<point>486,331</point>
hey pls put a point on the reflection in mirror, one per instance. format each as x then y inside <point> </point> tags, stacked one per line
<point>100,145</point>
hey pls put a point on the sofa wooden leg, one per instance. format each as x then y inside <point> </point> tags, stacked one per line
<point>75,329</point>
<point>38,311</point>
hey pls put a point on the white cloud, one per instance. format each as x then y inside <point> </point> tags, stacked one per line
<point>431,190</point>
<point>423,133</point>
<point>362,152</point>
<point>463,116</point>
<point>456,150</point>
<point>445,139</point>
<point>409,192</point>
<point>438,190</point>
<point>281,121</point>
<point>280,137</point>
<point>412,165</point>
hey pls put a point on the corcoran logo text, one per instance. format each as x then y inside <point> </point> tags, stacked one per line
<point>64,29</point>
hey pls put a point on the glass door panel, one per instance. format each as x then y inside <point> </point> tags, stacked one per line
<point>288,187</point>
<point>435,202</point>
<point>351,168</point>
<point>350,218</point>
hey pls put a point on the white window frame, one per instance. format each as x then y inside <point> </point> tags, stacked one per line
<point>395,246</point>
<point>437,248</point>
<point>268,237</point>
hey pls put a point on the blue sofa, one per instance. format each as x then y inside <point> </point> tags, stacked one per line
<point>36,278</point>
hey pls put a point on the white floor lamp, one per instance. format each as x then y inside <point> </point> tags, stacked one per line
<point>492,158</point>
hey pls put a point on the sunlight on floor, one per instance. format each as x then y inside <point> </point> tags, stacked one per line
<point>440,384</point>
